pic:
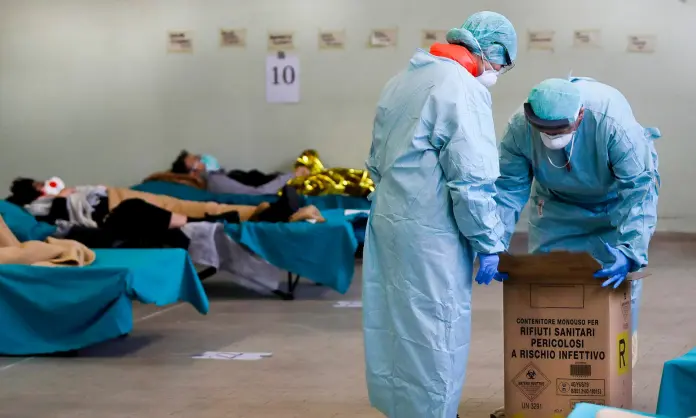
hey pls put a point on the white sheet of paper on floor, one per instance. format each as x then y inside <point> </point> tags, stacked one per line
<point>348,304</point>
<point>231,355</point>
<point>349,212</point>
<point>645,44</point>
<point>587,38</point>
<point>540,40</point>
<point>311,221</point>
<point>282,79</point>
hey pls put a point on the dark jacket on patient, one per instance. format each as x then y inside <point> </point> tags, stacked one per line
<point>132,224</point>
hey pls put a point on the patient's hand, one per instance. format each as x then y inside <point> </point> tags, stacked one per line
<point>66,192</point>
<point>307,213</point>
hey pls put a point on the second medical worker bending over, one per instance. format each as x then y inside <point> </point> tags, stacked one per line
<point>434,163</point>
<point>596,177</point>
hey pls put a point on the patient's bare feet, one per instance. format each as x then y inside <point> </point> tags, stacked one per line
<point>307,213</point>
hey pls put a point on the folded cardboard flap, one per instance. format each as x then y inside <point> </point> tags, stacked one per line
<point>554,265</point>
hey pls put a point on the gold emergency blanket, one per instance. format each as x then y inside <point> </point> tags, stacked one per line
<point>337,180</point>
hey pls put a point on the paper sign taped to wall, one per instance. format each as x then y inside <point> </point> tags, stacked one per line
<point>587,38</point>
<point>282,79</point>
<point>430,37</point>
<point>281,41</point>
<point>233,38</point>
<point>540,40</point>
<point>332,39</point>
<point>381,38</point>
<point>180,42</point>
<point>646,44</point>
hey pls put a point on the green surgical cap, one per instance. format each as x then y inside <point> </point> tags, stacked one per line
<point>494,33</point>
<point>555,99</point>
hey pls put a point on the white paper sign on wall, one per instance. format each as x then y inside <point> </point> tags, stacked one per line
<point>179,42</point>
<point>431,36</point>
<point>282,79</point>
<point>281,41</point>
<point>332,39</point>
<point>645,44</point>
<point>233,38</point>
<point>383,38</point>
<point>587,38</point>
<point>540,40</point>
<point>229,355</point>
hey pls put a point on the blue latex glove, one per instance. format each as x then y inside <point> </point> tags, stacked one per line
<point>617,272</point>
<point>488,269</point>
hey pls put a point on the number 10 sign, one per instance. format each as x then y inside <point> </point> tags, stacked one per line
<point>282,79</point>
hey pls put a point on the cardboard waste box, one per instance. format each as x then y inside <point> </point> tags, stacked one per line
<point>567,339</point>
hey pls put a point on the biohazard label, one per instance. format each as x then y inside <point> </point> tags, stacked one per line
<point>531,382</point>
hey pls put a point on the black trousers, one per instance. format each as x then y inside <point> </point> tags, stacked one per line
<point>253,178</point>
<point>134,223</point>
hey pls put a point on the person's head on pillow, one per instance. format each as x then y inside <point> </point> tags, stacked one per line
<point>24,190</point>
<point>187,163</point>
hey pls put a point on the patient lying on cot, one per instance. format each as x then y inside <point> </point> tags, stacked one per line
<point>309,177</point>
<point>217,180</point>
<point>128,213</point>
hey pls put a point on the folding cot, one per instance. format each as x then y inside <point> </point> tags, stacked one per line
<point>56,309</point>
<point>323,253</point>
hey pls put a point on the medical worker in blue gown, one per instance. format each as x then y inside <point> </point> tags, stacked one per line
<point>434,162</point>
<point>595,178</point>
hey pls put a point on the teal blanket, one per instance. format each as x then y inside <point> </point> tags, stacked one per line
<point>323,252</point>
<point>55,309</point>
<point>677,396</point>
<point>586,410</point>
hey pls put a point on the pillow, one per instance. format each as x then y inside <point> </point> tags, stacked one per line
<point>24,226</point>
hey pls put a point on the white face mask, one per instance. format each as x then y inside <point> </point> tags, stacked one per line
<point>488,78</point>
<point>556,142</point>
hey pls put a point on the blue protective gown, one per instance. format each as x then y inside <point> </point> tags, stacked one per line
<point>607,194</point>
<point>434,162</point>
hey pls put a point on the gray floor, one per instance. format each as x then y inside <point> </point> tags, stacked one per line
<point>317,365</point>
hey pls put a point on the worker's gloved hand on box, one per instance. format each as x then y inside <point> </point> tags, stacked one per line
<point>488,269</point>
<point>617,272</point>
